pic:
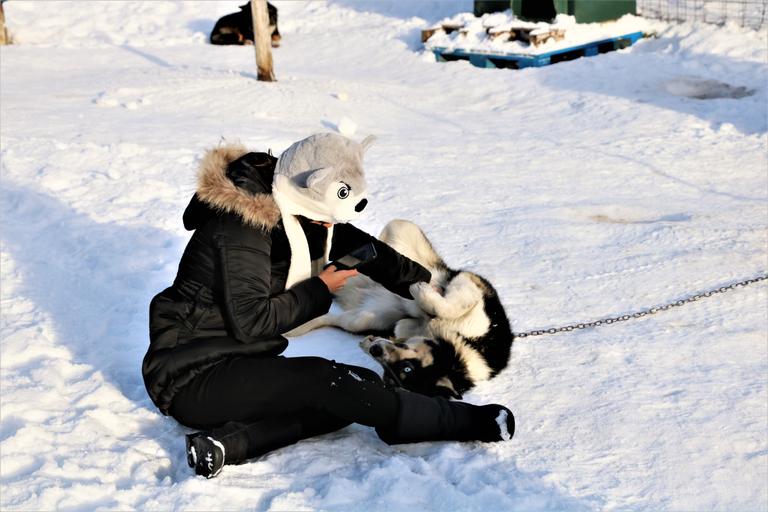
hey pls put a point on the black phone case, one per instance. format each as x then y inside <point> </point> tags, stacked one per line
<point>362,254</point>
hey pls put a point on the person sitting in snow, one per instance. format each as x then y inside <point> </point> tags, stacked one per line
<point>264,228</point>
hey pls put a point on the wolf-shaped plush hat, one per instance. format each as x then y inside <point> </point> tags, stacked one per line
<point>320,178</point>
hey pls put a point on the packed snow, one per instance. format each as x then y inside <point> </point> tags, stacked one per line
<point>582,189</point>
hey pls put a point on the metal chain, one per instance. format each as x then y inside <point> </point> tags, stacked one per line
<point>645,312</point>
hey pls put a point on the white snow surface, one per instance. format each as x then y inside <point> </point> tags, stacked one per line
<point>586,188</point>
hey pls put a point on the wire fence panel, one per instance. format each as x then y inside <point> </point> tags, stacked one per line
<point>747,13</point>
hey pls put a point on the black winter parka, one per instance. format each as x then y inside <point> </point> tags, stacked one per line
<point>228,297</point>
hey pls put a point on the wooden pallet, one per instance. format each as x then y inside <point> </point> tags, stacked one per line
<point>526,34</point>
<point>518,60</point>
<point>530,35</point>
<point>446,28</point>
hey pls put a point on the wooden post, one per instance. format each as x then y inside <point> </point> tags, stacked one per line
<point>262,41</point>
<point>4,38</point>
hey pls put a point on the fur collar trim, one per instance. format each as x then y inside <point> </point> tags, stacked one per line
<point>218,191</point>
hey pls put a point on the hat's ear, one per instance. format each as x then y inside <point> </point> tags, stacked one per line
<point>367,142</point>
<point>318,176</point>
<point>445,388</point>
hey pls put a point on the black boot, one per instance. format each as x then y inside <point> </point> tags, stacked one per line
<point>423,418</point>
<point>236,442</point>
<point>205,454</point>
<point>231,443</point>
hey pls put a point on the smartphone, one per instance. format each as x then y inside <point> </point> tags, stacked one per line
<point>351,261</point>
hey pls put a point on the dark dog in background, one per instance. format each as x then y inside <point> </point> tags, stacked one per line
<point>237,28</point>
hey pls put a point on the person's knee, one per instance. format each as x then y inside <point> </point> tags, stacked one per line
<point>316,371</point>
<point>365,374</point>
<point>324,379</point>
<point>353,374</point>
<point>319,369</point>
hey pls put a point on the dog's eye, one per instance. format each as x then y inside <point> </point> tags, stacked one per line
<point>343,192</point>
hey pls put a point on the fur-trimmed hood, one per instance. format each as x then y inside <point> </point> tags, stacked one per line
<point>244,189</point>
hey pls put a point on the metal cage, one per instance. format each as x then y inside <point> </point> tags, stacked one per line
<point>747,13</point>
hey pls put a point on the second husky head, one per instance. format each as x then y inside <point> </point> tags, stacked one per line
<point>322,178</point>
<point>429,366</point>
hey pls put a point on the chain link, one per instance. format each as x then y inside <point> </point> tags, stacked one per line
<point>650,311</point>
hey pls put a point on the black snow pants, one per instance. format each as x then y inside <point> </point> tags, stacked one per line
<point>254,405</point>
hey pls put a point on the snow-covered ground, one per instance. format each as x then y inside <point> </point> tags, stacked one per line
<point>581,189</point>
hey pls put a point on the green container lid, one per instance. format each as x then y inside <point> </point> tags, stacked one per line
<point>585,11</point>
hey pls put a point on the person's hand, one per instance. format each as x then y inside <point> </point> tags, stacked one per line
<point>336,279</point>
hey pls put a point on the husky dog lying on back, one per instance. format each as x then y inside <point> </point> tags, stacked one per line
<point>454,333</point>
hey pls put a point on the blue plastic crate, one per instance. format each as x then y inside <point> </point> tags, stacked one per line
<point>518,60</point>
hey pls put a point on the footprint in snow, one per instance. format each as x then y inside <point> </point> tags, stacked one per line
<point>675,217</point>
<point>704,89</point>
<point>130,99</point>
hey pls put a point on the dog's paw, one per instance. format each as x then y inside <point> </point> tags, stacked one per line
<point>366,343</point>
<point>422,289</point>
<point>425,296</point>
<point>416,289</point>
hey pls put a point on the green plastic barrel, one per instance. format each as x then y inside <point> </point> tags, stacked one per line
<point>485,6</point>
<point>585,11</point>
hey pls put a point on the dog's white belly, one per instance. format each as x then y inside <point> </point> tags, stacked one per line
<point>388,306</point>
<point>371,308</point>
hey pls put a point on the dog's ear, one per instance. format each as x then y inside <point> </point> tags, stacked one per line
<point>366,143</point>
<point>318,176</point>
<point>445,388</point>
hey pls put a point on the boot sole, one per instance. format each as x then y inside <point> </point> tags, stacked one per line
<point>197,446</point>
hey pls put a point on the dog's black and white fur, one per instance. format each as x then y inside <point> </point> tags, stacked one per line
<point>454,333</point>
<point>237,28</point>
